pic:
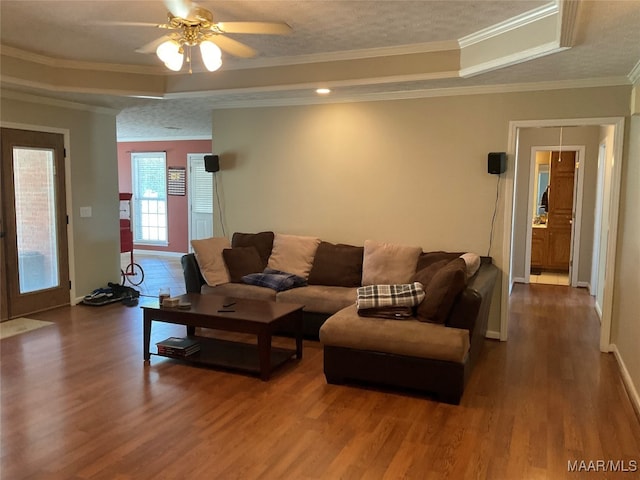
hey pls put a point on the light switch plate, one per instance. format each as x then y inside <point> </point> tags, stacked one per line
<point>85,212</point>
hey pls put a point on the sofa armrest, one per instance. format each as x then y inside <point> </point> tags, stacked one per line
<point>472,305</point>
<point>193,279</point>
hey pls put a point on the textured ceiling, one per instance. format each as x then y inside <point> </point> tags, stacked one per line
<point>606,48</point>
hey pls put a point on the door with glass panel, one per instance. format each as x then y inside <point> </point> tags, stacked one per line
<point>35,270</point>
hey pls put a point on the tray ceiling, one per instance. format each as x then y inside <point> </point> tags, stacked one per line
<point>361,49</point>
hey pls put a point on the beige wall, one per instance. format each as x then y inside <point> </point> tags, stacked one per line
<point>626,301</point>
<point>574,136</point>
<point>94,183</point>
<point>406,171</point>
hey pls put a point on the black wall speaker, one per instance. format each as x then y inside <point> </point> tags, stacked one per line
<point>211,163</point>
<point>497,162</point>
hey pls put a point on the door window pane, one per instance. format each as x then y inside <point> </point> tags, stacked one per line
<point>34,180</point>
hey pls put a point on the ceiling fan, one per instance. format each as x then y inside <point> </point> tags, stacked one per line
<point>192,25</point>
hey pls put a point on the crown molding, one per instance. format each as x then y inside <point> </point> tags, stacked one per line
<point>513,59</point>
<point>568,18</point>
<point>634,74</point>
<point>509,24</point>
<point>79,65</point>
<point>177,138</point>
<point>428,93</point>
<point>54,102</point>
<point>313,85</point>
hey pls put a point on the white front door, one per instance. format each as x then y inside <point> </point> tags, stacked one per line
<point>200,198</point>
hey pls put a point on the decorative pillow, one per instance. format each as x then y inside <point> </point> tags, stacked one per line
<point>428,258</point>
<point>388,263</point>
<point>209,256</point>
<point>241,261</point>
<point>425,275</point>
<point>441,292</point>
<point>274,279</point>
<point>337,265</point>
<point>293,254</point>
<point>263,242</point>
<point>472,261</point>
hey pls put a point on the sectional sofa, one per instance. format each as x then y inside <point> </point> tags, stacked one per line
<point>433,350</point>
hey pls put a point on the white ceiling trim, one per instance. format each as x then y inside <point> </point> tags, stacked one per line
<point>513,59</point>
<point>54,102</point>
<point>567,24</point>
<point>510,24</point>
<point>634,74</point>
<point>77,65</point>
<point>164,139</point>
<point>313,85</point>
<point>428,93</point>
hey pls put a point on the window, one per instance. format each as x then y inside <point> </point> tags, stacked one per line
<point>149,198</point>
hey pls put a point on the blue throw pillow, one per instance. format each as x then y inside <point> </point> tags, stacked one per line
<point>274,279</point>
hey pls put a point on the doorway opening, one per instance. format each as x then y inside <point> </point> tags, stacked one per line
<point>612,130</point>
<point>553,221</point>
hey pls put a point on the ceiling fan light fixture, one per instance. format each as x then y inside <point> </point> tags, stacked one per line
<point>170,53</point>
<point>211,55</point>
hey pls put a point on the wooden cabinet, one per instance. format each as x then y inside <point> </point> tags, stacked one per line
<point>560,215</point>
<point>551,246</point>
<point>538,248</point>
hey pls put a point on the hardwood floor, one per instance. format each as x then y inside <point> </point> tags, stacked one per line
<point>79,403</point>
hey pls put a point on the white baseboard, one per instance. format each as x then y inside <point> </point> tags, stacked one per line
<point>519,280</point>
<point>493,335</point>
<point>598,310</point>
<point>159,253</point>
<point>632,391</point>
<point>584,285</point>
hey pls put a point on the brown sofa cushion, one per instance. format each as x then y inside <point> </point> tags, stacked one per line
<point>428,258</point>
<point>399,337</point>
<point>337,265</point>
<point>442,291</point>
<point>263,242</point>
<point>426,274</point>
<point>242,261</point>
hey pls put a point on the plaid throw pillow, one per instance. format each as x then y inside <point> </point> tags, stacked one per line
<point>397,295</point>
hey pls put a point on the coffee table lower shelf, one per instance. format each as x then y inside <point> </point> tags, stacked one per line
<point>231,355</point>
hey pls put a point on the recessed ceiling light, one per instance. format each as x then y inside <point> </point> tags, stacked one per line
<point>323,91</point>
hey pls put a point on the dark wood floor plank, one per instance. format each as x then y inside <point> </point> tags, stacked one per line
<point>78,402</point>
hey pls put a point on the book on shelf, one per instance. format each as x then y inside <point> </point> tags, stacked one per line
<point>178,347</point>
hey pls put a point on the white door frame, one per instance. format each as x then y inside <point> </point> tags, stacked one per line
<point>65,132</point>
<point>614,201</point>
<point>576,209</point>
<point>190,158</point>
<point>597,222</point>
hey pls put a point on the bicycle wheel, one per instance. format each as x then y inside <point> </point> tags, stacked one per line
<point>134,274</point>
<point>123,277</point>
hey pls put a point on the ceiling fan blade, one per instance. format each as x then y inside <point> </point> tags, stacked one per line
<point>233,47</point>
<point>152,46</point>
<point>267,28</point>
<point>180,8</point>
<point>115,23</point>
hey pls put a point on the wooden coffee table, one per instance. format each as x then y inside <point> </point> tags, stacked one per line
<point>258,317</point>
